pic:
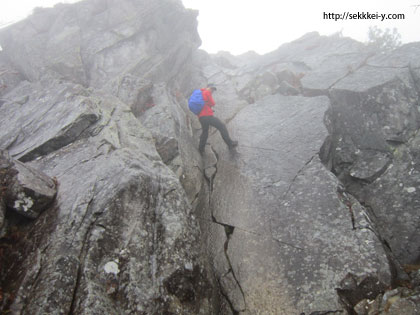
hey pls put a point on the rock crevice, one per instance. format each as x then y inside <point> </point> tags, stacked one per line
<point>322,187</point>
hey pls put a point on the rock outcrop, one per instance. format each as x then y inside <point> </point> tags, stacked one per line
<point>24,189</point>
<point>375,121</point>
<point>367,139</point>
<point>121,236</point>
<point>316,211</point>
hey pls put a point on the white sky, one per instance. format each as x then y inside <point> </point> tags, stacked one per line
<point>15,10</point>
<point>263,25</point>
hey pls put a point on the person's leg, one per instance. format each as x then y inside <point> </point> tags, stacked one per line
<point>217,123</point>
<point>204,121</point>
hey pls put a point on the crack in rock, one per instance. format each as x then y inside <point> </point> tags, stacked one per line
<point>350,71</point>
<point>398,275</point>
<point>298,173</point>
<point>82,255</point>
<point>345,199</point>
<point>210,173</point>
<point>229,230</point>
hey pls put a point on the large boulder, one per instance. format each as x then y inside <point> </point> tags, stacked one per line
<point>290,235</point>
<point>122,235</point>
<point>95,42</point>
<point>25,189</point>
<point>172,127</point>
<point>312,63</point>
<point>53,115</point>
<point>374,123</point>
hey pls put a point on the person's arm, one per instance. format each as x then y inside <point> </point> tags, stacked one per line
<point>211,100</point>
<point>208,98</point>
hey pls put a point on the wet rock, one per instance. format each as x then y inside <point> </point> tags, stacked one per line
<point>130,209</point>
<point>369,165</point>
<point>172,126</point>
<point>7,174</point>
<point>355,292</point>
<point>322,60</point>
<point>134,91</point>
<point>287,89</point>
<point>233,293</point>
<point>167,148</point>
<point>105,112</point>
<point>376,108</point>
<point>276,249</point>
<point>9,77</point>
<point>62,279</point>
<point>32,192</point>
<point>55,115</point>
<point>2,216</point>
<point>404,306</point>
<point>397,301</point>
<point>401,57</point>
<point>334,67</point>
<point>362,307</point>
<point>84,42</point>
<point>26,190</point>
<point>187,284</point>
<point>122,237</point>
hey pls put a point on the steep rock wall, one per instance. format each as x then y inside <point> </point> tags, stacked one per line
<point>326,129</point>
<point>121,236</point>
<point>375,122</point>
<point>291,226</point>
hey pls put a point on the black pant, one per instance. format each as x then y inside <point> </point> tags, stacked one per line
<point>206,122</point>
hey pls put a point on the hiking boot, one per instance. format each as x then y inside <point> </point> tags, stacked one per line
<point>233,144</point>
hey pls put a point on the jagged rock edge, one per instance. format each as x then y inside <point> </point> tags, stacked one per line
<point>398,275</point>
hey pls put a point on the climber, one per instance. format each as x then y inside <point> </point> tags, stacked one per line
<point>207,119</point>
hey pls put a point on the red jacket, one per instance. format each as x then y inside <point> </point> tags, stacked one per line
<point>208,103</point>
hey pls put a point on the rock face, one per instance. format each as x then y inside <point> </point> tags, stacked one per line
<point>27,191</point>
<point>375,120</point>
<point>292,227</point>
<point>319,198</point>
<point>288,223</point>
<point>140,37</point>
<point>121,236</point>
<point>278,189</point>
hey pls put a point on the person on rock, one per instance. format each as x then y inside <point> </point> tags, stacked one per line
<point>207,119</point>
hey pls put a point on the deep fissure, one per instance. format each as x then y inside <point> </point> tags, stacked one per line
<point>229,230</point>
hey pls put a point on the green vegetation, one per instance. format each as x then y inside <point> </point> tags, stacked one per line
<point>383,40</point>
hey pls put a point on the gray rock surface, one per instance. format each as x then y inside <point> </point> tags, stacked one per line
<point>151,38</point>
<point>291,231</point>
<point>9,77</point>
<point>48,121</point>
<point>401,300</point>
<point>372,127</point>
<point>323,183</point>
<point>121,236</point>
<point>2,217</point>
<point>24,189</point>
<point>375,121</point>
<point>123,228</point>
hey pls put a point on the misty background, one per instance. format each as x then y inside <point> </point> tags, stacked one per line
<point>262,26</point>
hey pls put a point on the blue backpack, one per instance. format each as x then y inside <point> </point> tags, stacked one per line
<point>196,102</point>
